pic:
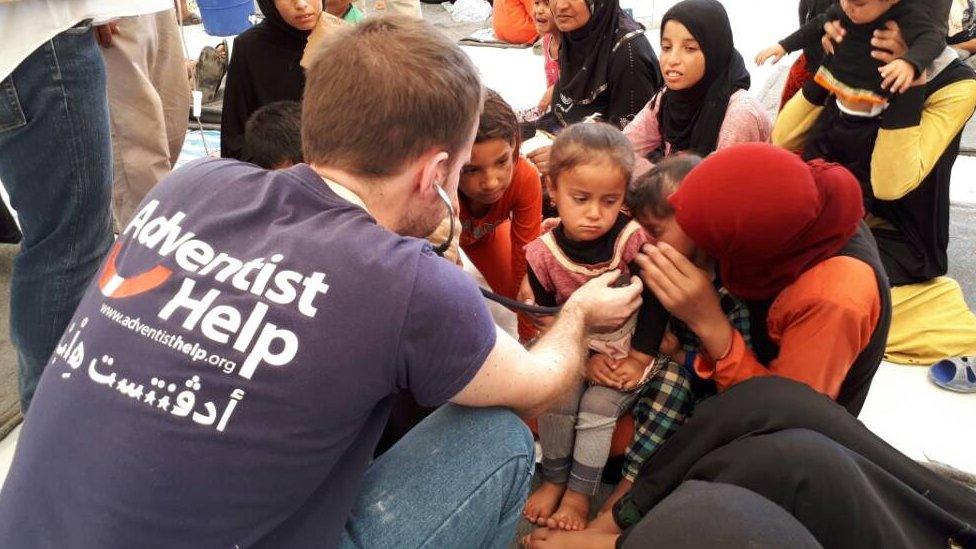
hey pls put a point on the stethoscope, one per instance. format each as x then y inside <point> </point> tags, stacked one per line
<point>508,303</point>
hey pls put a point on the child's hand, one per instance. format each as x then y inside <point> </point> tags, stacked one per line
<point>630,371</point>
<point>833,34</point>
<point>525,295</point>
<point>775,52</point>
<point>599,371</point>
<point>897,76</point>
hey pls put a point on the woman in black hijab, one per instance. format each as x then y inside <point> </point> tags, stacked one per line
<point>704,106</point>
<point>264,66</point>
<point>606,64</point>
<point>795,448</point>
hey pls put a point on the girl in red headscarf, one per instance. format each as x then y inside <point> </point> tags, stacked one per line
<point>788,240</point>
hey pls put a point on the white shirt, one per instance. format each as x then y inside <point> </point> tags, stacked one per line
<point>27,24</point>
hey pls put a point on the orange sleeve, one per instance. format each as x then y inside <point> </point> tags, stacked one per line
<point>526,214</point>
<point>821,322</point>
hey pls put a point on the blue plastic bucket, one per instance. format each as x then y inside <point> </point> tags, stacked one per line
<point>225,17</point>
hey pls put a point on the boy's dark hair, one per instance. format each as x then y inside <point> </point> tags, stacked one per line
<point>586,142</point>
<point>273,135</point>
<point>498,121</point>
<point>382,93</point>
<point>649,193</point>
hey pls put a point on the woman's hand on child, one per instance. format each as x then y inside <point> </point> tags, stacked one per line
<point>897,76</point>
<point>833,34</point>
<point>686,291</point>
<point>775,52</point>
<point>599,370</point>
<point>888,43</point>
<point>540,157</point>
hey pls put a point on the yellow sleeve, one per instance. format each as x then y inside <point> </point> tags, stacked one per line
<point>903,157</point>
<point>794,122</point>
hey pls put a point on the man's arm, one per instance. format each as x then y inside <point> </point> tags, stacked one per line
<point>529,381</point>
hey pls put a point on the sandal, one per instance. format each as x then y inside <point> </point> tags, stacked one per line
<point>955,374</point>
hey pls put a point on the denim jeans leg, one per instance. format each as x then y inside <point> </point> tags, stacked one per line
<point>459,479</point>
<point>56,165</point>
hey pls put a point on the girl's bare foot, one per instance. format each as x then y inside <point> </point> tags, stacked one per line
<point>573,512</point>
<point>542,502</point>
<point>545,538</point>
<point>622,488</point>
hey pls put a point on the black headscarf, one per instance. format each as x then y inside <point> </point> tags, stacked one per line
<point>585,53</point>
<point>264,68</point>
<point>274,24</point>
<point>690,119</point>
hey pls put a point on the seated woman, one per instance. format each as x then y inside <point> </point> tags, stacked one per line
<point>607,68</point>
<point>906,191</point>
<point>606,64</point>
<point>788,240</point>
<point>704,105</point>
<point>797,457</point>
<point>513,21</point>
<point>264,66</point>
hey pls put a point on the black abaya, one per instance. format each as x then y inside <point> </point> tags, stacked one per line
<point>796,447</point>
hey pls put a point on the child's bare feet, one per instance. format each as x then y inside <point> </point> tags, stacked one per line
<point>545,538</point>
<point>573,512</point>
<point>541,503</point>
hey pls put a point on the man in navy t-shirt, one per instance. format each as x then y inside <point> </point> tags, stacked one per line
<point>226,377</point>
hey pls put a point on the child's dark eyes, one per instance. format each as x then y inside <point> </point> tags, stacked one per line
<point>579,199</point>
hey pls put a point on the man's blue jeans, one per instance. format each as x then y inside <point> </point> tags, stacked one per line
<point>56,165</point>
<point>458,479</point>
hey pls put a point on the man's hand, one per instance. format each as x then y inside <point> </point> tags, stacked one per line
<point>833,34</point>
<point>897,76</point>
<point>600,372</point>
<point>888,43</point>
<point>774,52</point>
<point>103,33</point>
<point>605,308</point>
<point>540,157</point>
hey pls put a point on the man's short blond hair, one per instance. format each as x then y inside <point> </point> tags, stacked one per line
<point>382,93</point>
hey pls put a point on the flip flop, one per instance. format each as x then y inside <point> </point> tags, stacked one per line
<point>955,374</point>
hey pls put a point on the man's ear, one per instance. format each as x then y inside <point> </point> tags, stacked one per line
<point>433,173</point>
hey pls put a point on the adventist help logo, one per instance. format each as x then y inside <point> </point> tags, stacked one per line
<point>260,341</point>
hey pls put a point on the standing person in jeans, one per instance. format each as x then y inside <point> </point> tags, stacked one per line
<point>56,165</point>
<point>226,378</point>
